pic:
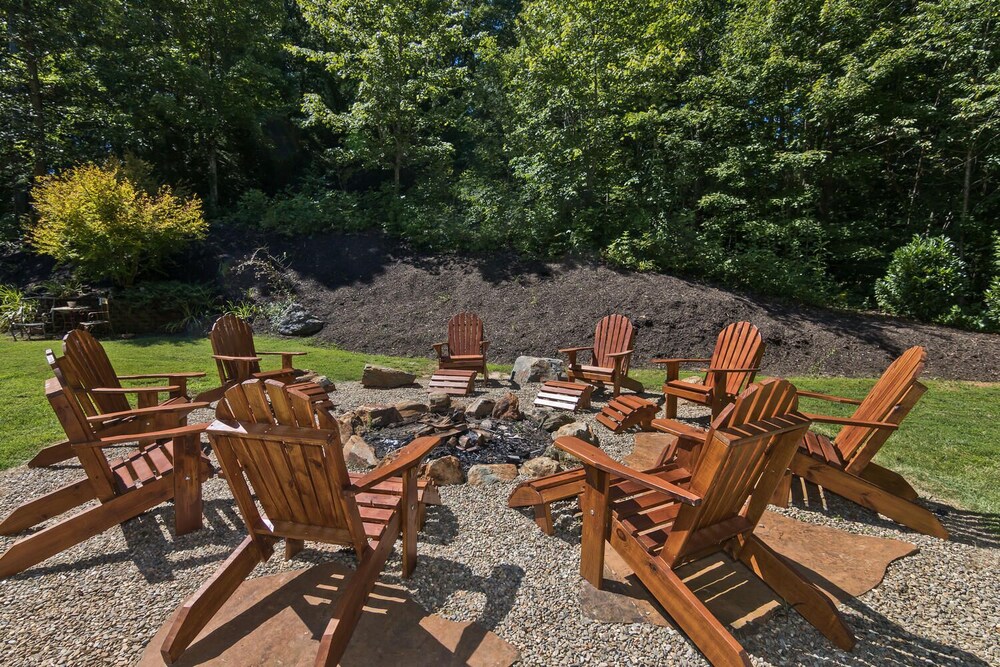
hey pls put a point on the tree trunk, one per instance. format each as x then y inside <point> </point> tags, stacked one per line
<point>30,58</point>
<point>966,192</point>
<point>213,179</point>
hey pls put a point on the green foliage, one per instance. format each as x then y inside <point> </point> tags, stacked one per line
<point>245,310</point>
<point>12,304</point>
<point>189,302</point>
<point>98,220</point>
<point>926,278</point>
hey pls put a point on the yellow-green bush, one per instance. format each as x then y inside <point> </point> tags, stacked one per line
<point>98,220</point>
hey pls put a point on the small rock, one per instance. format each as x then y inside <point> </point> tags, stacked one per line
<point>443,471</point>
<point>491,473</point>
<point>565,459</point>
<point>380,377</point>
<point>578,430</point>
<point>481,407</point>
<point>508,407</point>
<point>314,377</point>
<point>378,416</point>
<point>537,369</point>
<point>486,424</point>
<point>407,409</point>
<point>297,321</point>
<point>359,453</point>
<point>439,402</point>
<point>346,423</point>
<point>540,466</point>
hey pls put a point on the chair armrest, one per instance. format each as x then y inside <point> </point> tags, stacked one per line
<point>132,390</point>
<point>828,397</point>
<point>154,376</point>
<point>595,458</point>
<point>567,350</point>
<point>680,361</point>
<point>410,456</point>
<point>168,434</point>
<point>483,346</point>
<point>715,369</point>
<point>850,421</point>
<point>155,410</point>
<point>439,348</point>
<point>616,355</point>
<point>283,354</point>
<point>226,357</point>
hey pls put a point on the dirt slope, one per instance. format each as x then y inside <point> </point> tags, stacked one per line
<point>378,298</point>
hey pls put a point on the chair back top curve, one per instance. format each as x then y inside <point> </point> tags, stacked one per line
<point>465,334</point>
<point>232,336</point>
<point>739,345</point>
<point>91,368</point>
<point>889,400</point>
<point>613,334</point>
<point>273,450</point>
<point>740,466</point>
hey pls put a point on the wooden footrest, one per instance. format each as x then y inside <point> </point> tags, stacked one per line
<point>564,395</point>
<point>452,381</point>
<point>625,412</point>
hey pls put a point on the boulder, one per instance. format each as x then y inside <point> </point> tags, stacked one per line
<point>537,369</point>
<point>322,380</point>
<point>565,459</point>
<point>492,473</point>
<point>443,471</point>
<point>540,466</point>
<point>578,430</point>
<point>380,377</point>
<point>378,416</point>
<point>508,407</point>
<point>359,453</point>
<point>346,424</point>
<point>297,321</point>
<point>481,407</point>
<point>407,409</point>
<point>439,402</point>
<point>553,420</point>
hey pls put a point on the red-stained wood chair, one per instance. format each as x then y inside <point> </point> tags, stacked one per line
<point>733,365</point>
<point>238,360</point>
<point>844,464</point>
<point>87,368</point>
<point>173,467</point>
<point>275,453</point>
<point>661,520</point>
<point>611,355</point>
<point>466,347</point>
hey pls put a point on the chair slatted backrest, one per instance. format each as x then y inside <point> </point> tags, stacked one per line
<point>738,470</point>
<point>739,345</point>
<point>91,368</point>
<point>69,405</point>
<point>233,337</point>
<point>614,333</point>
<point>890,400</point>
<point>465,334</point>
<point>273,450</point>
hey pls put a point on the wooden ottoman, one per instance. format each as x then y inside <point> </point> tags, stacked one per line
<point>453,381</point>
<point>564,395</point>
<point>625,412</point>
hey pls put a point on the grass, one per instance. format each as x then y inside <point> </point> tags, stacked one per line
<point>945,447</point>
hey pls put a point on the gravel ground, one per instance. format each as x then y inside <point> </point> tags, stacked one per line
<point>100,602</point>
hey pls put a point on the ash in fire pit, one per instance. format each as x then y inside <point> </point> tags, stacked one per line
<point>471,440</point>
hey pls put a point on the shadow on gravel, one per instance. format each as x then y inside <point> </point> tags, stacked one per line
<point>440,526</point>
<point>448,577</point>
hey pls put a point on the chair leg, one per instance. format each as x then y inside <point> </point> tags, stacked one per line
<point>543,517</point>
<point>783,491</point>
<point>890,481</point>
<point>352,600</point>
<point>694,618</point>
<point>46,543</point>
<point>410,521</point>
<point>669,405</point>
<point>57,453</point>
<point>203,605</point>
<point>50,505</point>
<point>868,495</point>
<point>293,547</point>
<point>805,598</point>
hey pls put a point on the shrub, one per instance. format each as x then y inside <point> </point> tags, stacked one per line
<point>991,298</point>
<point>12,301</point>
<point>97,219</point>
<point>186,303</point>
<point>925,279</point>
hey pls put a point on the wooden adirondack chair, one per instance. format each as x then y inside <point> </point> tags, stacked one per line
<point>683,453</point>
<point>657,522</point>
<point>733,365</point>
<point>173,467</point>
<point>238,360</point>
<point>611,354</point>
<point>466,348</point>
<point>296,471</point>
<point>844,465</point>
<point>87,368</point>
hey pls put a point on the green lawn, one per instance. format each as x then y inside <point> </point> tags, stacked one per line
<point>944,447</point>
